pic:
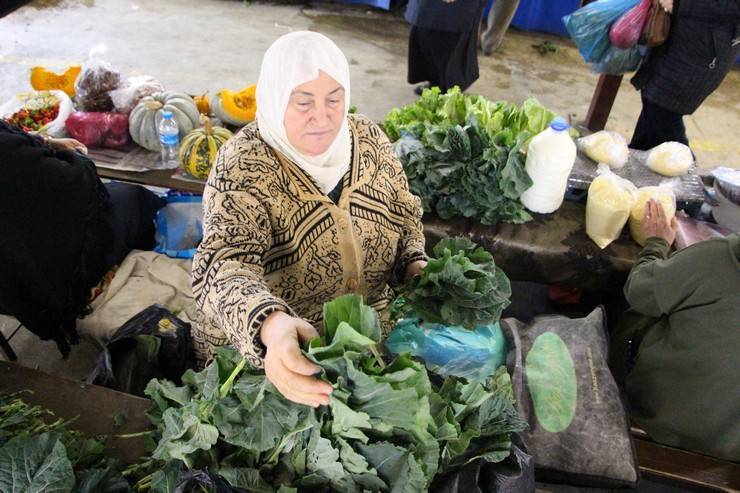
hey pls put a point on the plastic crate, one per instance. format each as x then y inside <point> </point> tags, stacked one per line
<point>541,15</point>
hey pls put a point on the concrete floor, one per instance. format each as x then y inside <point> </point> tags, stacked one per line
<point>213,44</point>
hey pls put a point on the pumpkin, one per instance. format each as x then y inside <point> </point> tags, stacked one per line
<point>202,103</point>
<point>199,148</point>
<point>235,108</point>
<point>143,122</point>
<point>46,80</point>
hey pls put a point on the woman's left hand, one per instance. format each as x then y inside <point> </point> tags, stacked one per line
<point>415,268</point>
<point>67,145</point>
<point>667,5</point>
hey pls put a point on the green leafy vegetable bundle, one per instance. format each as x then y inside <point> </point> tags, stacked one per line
<point>39,453</point>
<point>387,427</point>
<point>463,155</point>
<point>460,286</point>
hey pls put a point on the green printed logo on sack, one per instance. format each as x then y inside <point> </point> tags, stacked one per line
<point>552,383</point>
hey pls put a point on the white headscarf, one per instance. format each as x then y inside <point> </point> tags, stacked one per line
<point>292,60</point>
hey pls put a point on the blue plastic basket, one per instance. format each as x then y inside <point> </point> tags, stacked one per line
<point>541,15</point>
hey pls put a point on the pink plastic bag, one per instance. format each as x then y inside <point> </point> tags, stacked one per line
<point>691,231</point>
<point>99,129</point>
<point>626,31</point>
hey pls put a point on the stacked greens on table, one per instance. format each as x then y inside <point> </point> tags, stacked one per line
<point>461,286</point>
<point>463,155</point>
<point>39,453</point>
<point>387,428</point>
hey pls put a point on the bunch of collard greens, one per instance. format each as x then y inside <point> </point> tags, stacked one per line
<point>463,155</point>
<point>39,453</point>
<point>461,286</point>
<point>387,427</point>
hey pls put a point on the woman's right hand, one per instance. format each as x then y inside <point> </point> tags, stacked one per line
<point>667,5</point>
<point>285,366</point>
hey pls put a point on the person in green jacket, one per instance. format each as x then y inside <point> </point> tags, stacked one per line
<point>677,350</point>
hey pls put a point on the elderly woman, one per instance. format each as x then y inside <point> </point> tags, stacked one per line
<point>306,204</point>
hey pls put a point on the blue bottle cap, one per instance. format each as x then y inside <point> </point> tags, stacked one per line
<point>167,114</point>
<point>559,124</point>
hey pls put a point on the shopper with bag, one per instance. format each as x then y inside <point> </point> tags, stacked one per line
<point>679,75</point>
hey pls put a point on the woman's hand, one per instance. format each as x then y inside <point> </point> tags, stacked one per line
<point>655,223</point>
<point>667,5</point>
<point>71,145</point>
<point>285,366</point>
<point>415,268</point>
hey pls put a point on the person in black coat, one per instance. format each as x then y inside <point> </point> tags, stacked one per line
<point>62,230</point>
<point>679,75</point>
<point>443,44</point>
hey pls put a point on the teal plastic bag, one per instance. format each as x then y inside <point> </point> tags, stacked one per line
<point>589,26</point>
<point>451,350</point>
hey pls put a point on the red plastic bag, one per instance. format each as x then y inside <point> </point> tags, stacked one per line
<point>625,33</point>
<point>97,129</point>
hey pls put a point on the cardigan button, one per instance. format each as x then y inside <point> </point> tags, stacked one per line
<point>352,283</point>
<point>342,222</point>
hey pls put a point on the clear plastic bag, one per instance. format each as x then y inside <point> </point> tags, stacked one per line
<point>448,350</point>
<point>605,147</point>
<point>618,62</point>
<point>625,33</point>
<point>97,80</point>
<point>126,97</point>
<point>691,231</point>
<point>589,26</point>
<point>670,159</point>
<point>609,203</point>
<point>665,196</point>
<point>37,99</point>
<point>98,129</point>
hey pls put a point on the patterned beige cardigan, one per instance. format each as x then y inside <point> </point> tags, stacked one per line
<point>273,241</point>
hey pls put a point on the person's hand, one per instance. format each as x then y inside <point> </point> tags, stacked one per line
<point>71,145</point>
<point>285,366</point>
<point>667,5</point>
<point>655,223</point>
<point>414,268</point>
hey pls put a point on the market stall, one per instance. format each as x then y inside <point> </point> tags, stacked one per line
<point>458,390</point>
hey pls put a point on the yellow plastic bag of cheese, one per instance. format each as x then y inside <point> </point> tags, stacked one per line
<point>610,201</point>
<point>665,197</point>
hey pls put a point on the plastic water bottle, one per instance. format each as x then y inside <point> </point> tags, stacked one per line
<point>550,158</point>
<point>169,140</point>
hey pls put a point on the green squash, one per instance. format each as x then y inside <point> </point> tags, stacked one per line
<point>143,122</point>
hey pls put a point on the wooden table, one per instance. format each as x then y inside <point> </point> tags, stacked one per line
<point>93,407</point>
<point>135,156</point>
<point>551,249</point>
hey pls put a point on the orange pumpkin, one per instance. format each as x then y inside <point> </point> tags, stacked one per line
<point>43,79</point>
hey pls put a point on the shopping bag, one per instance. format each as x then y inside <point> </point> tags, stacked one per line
<point>625,33</point>
<point>589,26</point>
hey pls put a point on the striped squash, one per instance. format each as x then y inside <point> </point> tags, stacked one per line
<point>199,148</point>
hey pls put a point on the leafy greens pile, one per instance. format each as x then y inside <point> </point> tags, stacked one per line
<point>463,155</point>
<point>39,453</point>
<point>460,286</point>
<point>387,427</point>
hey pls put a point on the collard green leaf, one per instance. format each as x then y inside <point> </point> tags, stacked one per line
<point>351,310</point>
<point>35,463</point>
<point>183,435</point>
<point>104,480</point>
<point>461,287</point>
<point>164,480</point>
<point>396,466</point>
<point>246,478</point>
